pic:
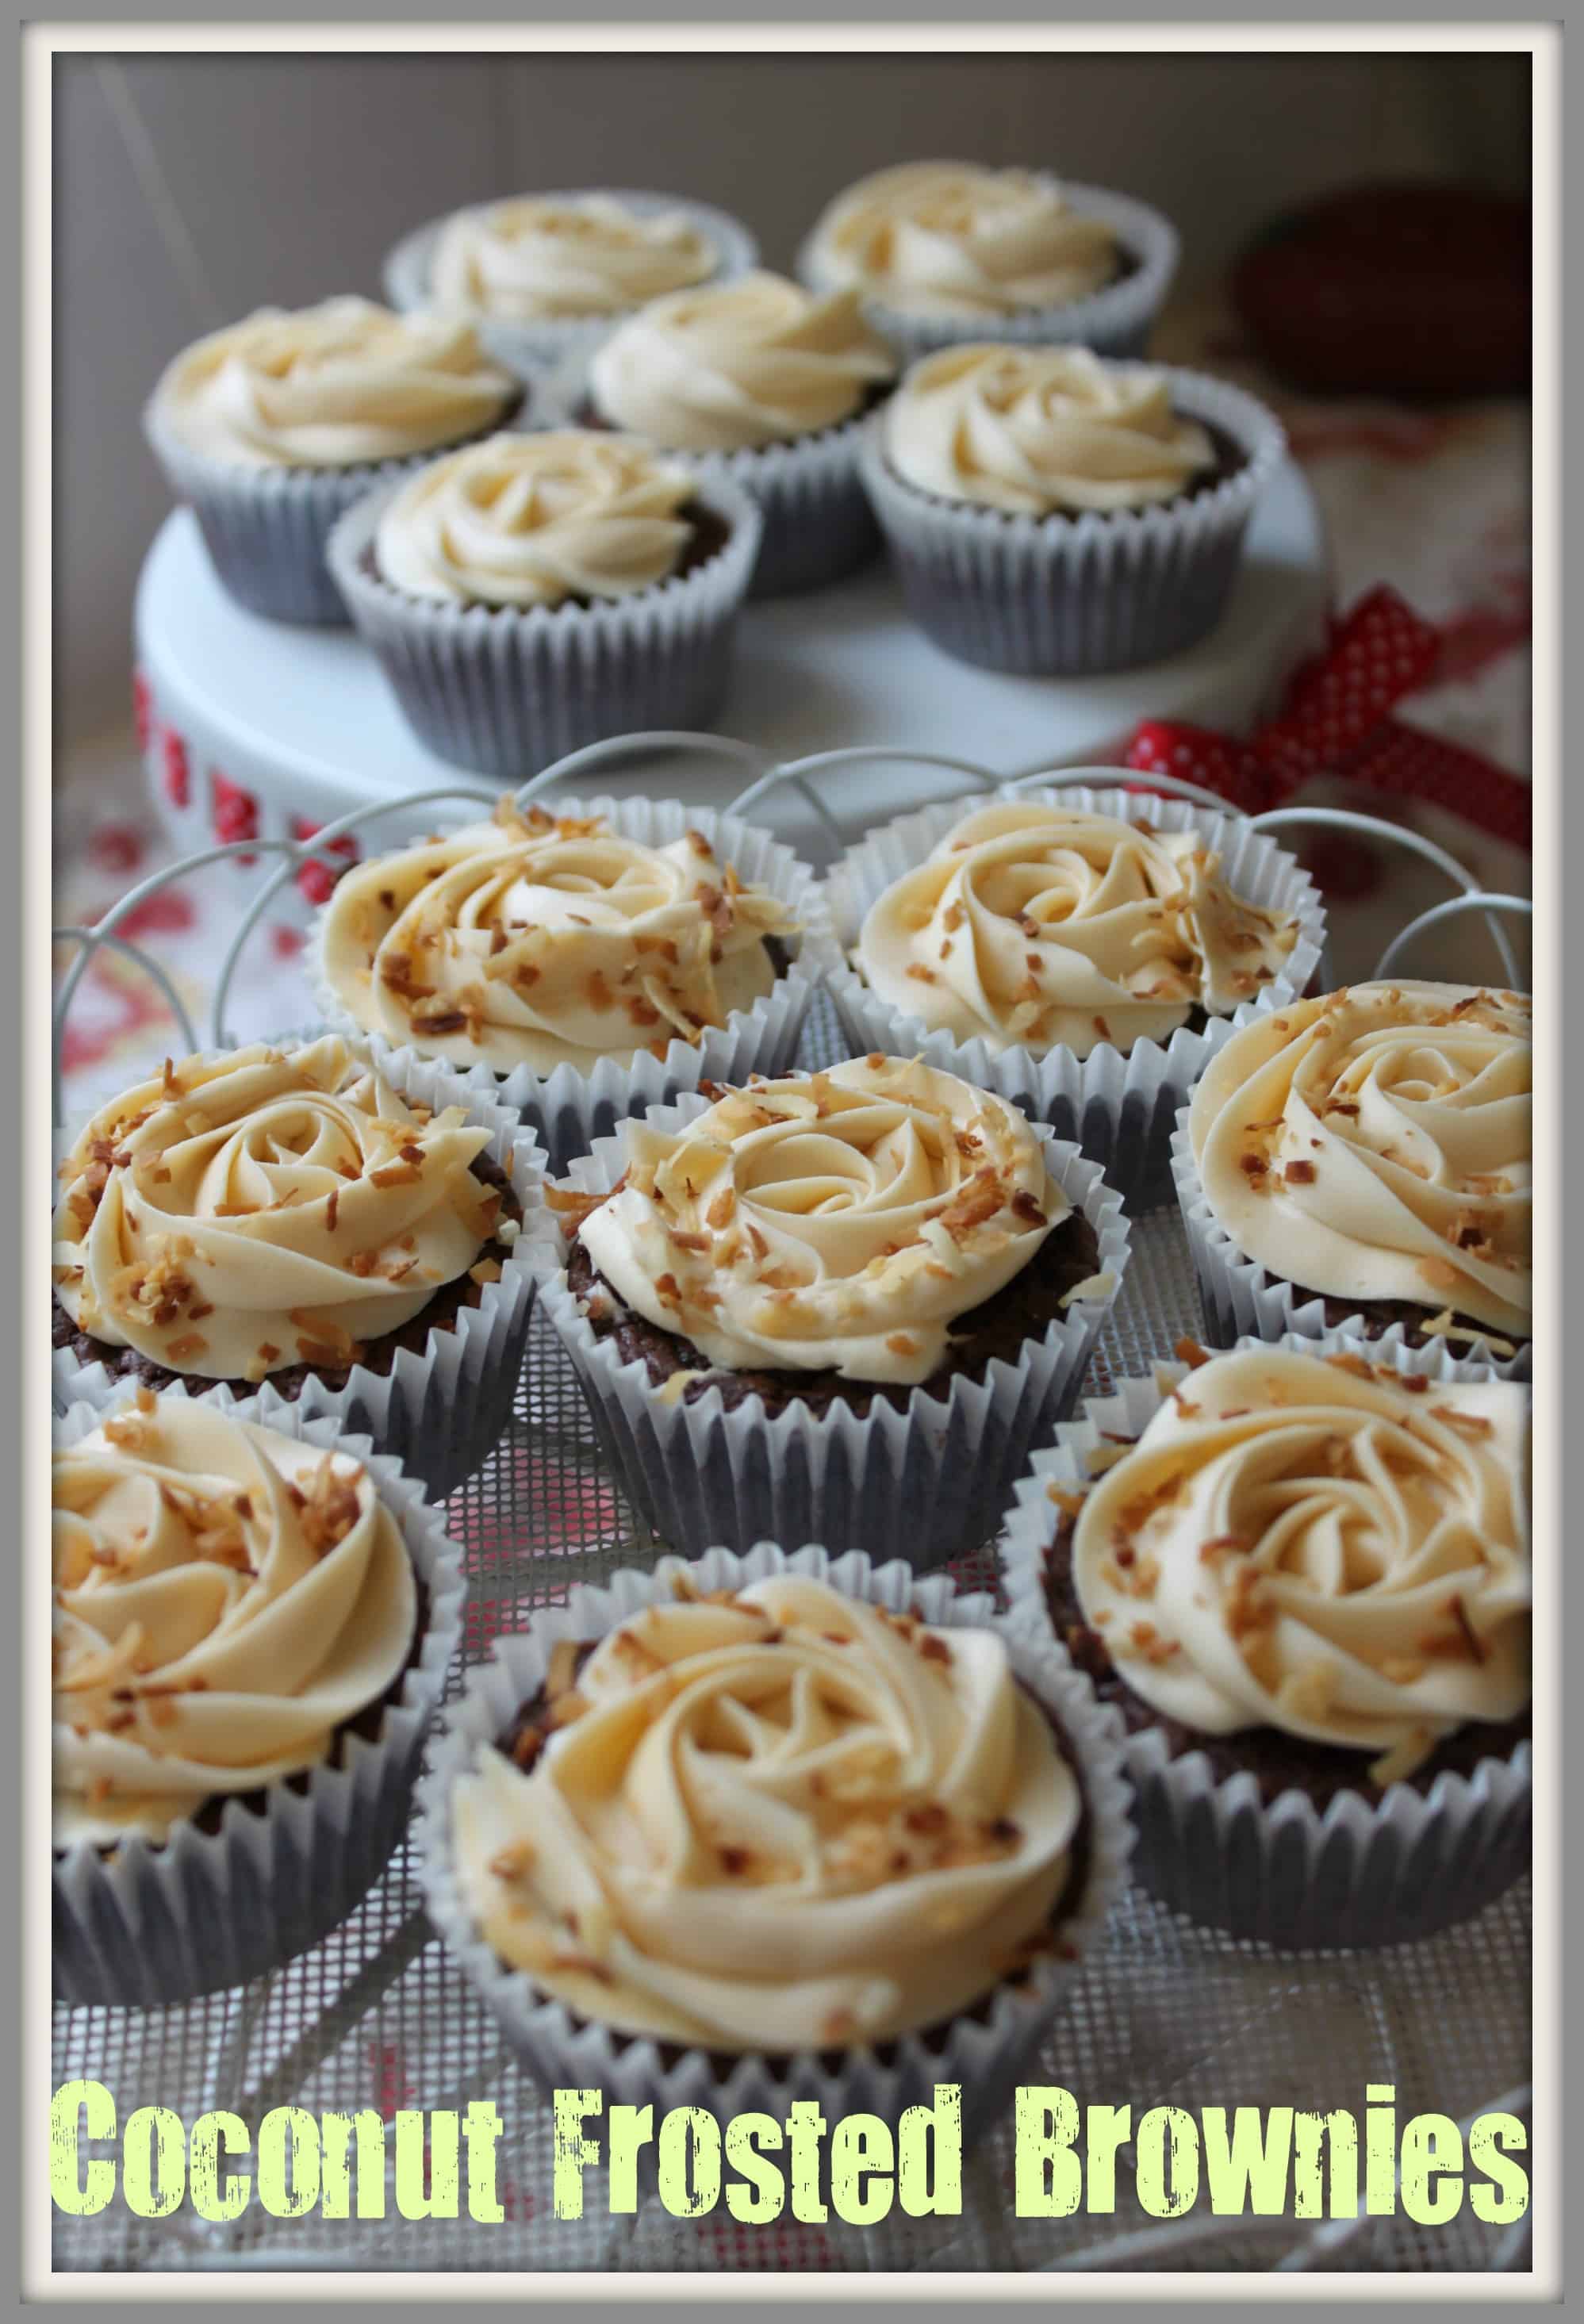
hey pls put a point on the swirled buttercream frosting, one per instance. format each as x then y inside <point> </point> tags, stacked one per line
<point>780,1820</point>
<point>539,940</point>
<point>224,1600</point>
<point>332,387</point>
<point>746,362</point>
<point>1042,431</point>
<point>839,1219</point>
<point>537,259</point>
<point>240,1215</point>
<point>1316,1545</point>
<point>1038,927</point>
<point>527,521</point>
<point>946,238</point>
<point>1375,1144</point>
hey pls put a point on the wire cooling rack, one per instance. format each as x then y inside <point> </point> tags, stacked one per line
<point>1166,2013</point>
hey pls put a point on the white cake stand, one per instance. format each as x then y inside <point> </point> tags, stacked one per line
<point>256,728</point>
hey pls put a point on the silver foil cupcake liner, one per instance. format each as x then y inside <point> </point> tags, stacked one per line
<point>1356,1873</point>
<point>1115,321</point>
<point>921,1484</point>
<point>522,347</point>
<point>1239,1295</point>
<point>567,1108</point>
<point>1071,597</point>
<point>983,2052</point>
<point>1119,1105</point>
<point>506,691</point>
<point>440,1411</point>
<point>267,529</point>
<point>164,1922</point>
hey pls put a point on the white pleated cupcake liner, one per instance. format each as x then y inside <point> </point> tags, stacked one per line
<point>1115,321</point>
<point>522,347</point>
<point>506,690</point>
<point>440,1411</point>
<point>983,2052</point>
<point>1239,1295</point>
<point>1119,1105</point>
<point>1073,596</point>
<point>267,529</point>
<point>567,1108</point>
<point>155,1922</point>
<point>921,1484</point>
<point>1358,1873</point>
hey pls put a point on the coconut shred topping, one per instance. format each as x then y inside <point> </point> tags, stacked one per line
<point>945,238</point>
<point>539,941</point>
<point>541,260</point>
<point>1374,1145</point>
<point>528,521</point>
<point>1042,927</point>
<point>1315,1544</point>
<point>775,1820</point>
<point>237,1215</point>
<point>333,386</point>
<point>225,1599</point>
<point>747,363</point>
<point>1040,432</point>
<point>838,1219</point>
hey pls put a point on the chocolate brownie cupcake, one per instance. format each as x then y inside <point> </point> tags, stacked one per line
<point>251,1624</point>
<point>1302,1577</point>
<point>1361,1161</point>
<point>837,1303</point>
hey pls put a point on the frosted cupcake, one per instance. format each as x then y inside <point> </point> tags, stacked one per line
<point>582,964</point>
<point>844,1302</point>
<point>271,429</point>
<point>252,1625</point>
<point>943,251</point>
<point>1303,1578</point>
<point>1053,514</point>
<point>764,383</point>
<point>536,592</point>
<point>1363,1161</point>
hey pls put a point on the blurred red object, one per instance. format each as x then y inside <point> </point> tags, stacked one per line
<point>1410,290</point>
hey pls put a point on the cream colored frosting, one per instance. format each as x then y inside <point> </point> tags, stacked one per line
<point>839,1218</point>
<point>540,941</point>
<point>1375,1144</point>
<point>533,519</point>
<point>1038,927</point>
<point>1042,431</point>
<point>539,258</point>
<point>748,363</point>
<point>226,1597</point>
<point>1307,1543</point>
<point>947,238</point>
<point>333,386</point>
<point>240,1215</point>
<point>783,1822</point>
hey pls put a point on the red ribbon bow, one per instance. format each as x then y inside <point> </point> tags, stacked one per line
<point>1336,720</point>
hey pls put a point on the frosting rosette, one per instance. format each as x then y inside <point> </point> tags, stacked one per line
<point>743,363</point>
<point>337,385</point>
<point>946,238</point>
<point>239,1214</point>
<point>539,940</point>
<point>1375,1144</point>
<point>1040,927</point>
<point>776,1819</point>
<point>226,1597</point>
<point>525,521</point>
<point>1039,431</point>
<point>540,258</point>
<point>838,1219</point>
<point>1321,1545</point>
